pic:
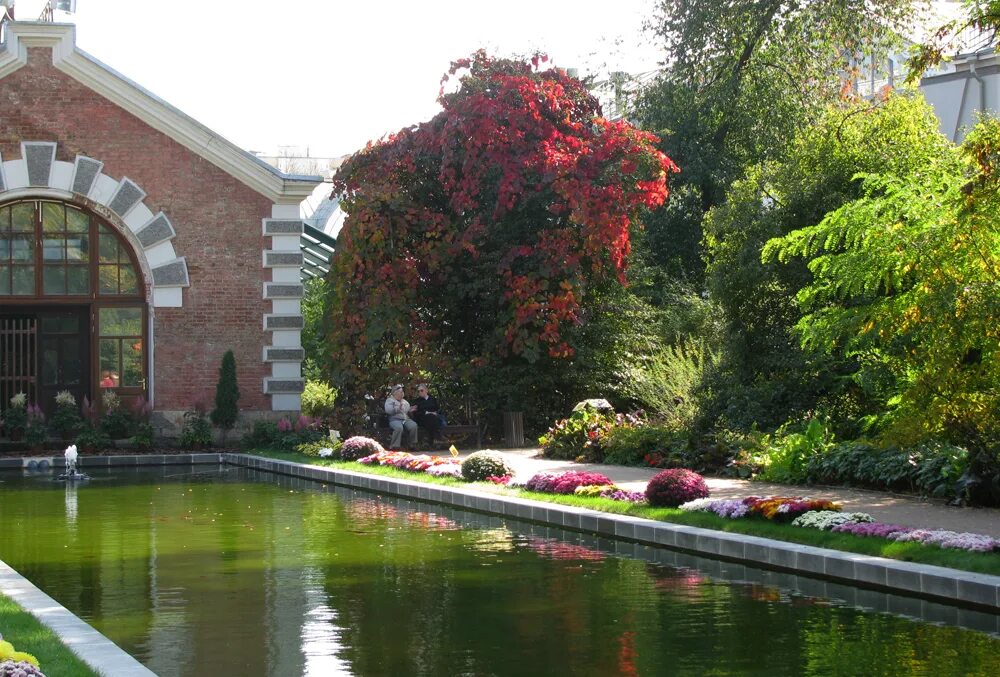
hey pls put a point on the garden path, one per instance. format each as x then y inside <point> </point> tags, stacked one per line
<point>891,508</point>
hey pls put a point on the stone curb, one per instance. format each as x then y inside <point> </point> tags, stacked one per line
<point>941,584</point>
<point>57,462</point>
<point>93,648</point>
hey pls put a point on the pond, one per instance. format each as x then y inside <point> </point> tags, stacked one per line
<point>230,571</point>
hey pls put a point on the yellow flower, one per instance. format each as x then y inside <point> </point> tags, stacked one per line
<point>26,657</point>
<point>7,653</point>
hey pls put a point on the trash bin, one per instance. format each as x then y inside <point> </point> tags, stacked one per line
<point>513,428</point>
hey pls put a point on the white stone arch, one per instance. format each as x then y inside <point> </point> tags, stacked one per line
<point>119,201</point>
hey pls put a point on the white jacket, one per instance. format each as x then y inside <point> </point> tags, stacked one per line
<point>397,409</point>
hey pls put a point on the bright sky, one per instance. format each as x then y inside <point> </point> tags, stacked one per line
<point>332,74</point>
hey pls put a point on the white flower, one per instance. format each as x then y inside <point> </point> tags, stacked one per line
<point>66,398</point>
<point>20,401</point>
<point>325,452</point>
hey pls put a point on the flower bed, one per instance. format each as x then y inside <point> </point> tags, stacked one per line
<point>414,462</point>
<point>612,491</point>
<point>564,482</point>
<point>825,520</point>
<point>826,516</point>
<point>939,537</point>
<point>773,508</point>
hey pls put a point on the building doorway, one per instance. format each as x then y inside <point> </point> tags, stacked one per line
<point>73,314</point>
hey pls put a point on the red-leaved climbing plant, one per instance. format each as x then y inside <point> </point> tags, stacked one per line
<point>474,237</point>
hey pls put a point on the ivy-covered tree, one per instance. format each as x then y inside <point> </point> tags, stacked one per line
<point>475,241</point>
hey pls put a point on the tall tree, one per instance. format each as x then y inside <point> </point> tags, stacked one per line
<point>741,78</point>
<point>227,395</point>
<point>479,239</point>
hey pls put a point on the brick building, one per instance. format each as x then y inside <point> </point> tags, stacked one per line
<point>137,246</point>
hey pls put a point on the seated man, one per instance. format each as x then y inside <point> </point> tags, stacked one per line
<point>398,411</point>
<point>426,412</point>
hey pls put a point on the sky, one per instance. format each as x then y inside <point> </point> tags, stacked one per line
<point>329,75</point>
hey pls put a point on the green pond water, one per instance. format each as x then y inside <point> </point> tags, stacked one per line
<point>233,572</point>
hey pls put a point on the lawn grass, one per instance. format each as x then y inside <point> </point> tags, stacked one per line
<point>986,563</point>
<point>27,634</point>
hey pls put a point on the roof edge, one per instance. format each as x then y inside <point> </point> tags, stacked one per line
<point>250,170</point>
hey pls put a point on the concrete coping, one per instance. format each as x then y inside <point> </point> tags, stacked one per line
<point>93,648</point>
<point>951,586</point>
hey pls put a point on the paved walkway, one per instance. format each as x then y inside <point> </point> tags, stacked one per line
<point>884,507</point>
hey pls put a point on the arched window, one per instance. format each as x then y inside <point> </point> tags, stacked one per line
<point>53,249</point>
<point>72,304</point>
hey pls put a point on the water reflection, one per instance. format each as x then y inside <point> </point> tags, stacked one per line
<point>240,572</point>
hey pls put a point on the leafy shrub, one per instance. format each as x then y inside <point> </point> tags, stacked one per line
<point>580,435</point>
<point>283,434</point>
<point>35,432</point>
<point>666,382</point>
<point>66,418</point>
<point>648,445</point>
<point>482,464</point>
<point>197,432</point>
<point>583,435</point>
<point>788,453</point>
<point>318,398</point>
<point>672,487</point>
<point>15,417</point>
<point>92,438</point>
<point>357,447</point>
<point>314,448</point>
<point>931,469</point>
<point>302,431</point>
<point>263,435</point>
<point>565,482</point>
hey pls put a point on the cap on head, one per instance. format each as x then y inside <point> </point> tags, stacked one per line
<point>396,387</point>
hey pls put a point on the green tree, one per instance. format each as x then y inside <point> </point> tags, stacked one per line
<point>315,303</point>
<point>905,279</point>
<point>766,376</point>
<point>742,79</point>
<point>227,394</point>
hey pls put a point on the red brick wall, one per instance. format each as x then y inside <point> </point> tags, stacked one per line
<point>217,219</point>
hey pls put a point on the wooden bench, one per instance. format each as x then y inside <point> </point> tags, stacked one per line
<point>457,434</point>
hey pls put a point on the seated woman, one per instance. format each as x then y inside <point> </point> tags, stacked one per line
<point>426,412</point>
<point>398,411</point>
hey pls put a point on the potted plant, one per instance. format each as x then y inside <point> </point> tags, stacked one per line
<point>66,419</point>
<point>35,431</point>
<point>16,417</point>
<point>116,421</point>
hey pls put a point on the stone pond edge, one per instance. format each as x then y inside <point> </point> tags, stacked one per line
<point>97,651</point>
<point>940,584</point>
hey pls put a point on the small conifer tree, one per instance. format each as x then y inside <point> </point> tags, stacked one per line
<point>227,394</point>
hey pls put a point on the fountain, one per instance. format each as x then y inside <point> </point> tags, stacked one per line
<point>72,474</point>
